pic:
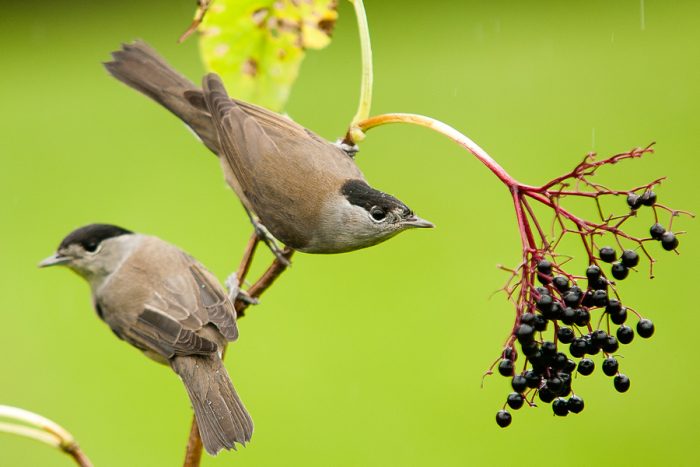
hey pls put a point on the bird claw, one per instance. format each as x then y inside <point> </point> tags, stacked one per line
<point>269,240</point>
<point>234,290</point>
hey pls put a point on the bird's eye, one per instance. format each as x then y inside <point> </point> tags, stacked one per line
<point>377,213</point>
<point>91,246</point>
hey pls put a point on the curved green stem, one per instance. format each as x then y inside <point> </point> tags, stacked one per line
<point>42,429</point>
<point>367,75</point>
<point>450,132</point>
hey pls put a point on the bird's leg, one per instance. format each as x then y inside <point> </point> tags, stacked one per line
<point>235,292</point>
<point>265,236</point>
<point>235,279</point>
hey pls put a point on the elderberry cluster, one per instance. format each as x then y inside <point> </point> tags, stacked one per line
<point>570,323</point>
<point>580,321</point>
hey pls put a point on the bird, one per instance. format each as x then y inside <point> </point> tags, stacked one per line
<point>296,187</point>
<point>165,303</point>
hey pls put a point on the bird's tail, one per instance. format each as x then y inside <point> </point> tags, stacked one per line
<point>140,67</point>
<point>221,416</point>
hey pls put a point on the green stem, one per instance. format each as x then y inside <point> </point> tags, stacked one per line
<point>363,108</point>
<point>42,429</point>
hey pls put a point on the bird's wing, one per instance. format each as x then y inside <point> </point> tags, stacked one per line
<point>172,315</point>
<point>285,172</point>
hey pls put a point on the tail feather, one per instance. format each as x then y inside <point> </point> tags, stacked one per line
<point>221,416</point>
<point>140,67</point>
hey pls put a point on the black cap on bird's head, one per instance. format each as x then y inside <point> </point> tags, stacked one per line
<point>87,238</point>
<point>381,207</point>
<point>90,236</point>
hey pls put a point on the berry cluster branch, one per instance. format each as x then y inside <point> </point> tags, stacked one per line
<point>31,425</point>
<point>577,309</point>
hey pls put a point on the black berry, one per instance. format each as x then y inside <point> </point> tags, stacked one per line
<point>599,337</point>
<point>559,361</point>
<point>591,347</point>
<point>525,333</point>
<point>509,354</point>
<point>578,347</point>
<point>613,305</point>
<point>503,418</point>
<point>610,366</point>
<point>629,258</point>
<point>545,267</point>
<point>529,348</point>
<point>515,400</point>
<point>560,407</point>
<point>554,312</point>
<point>568,316</point>
<point>622,383</point>
<point>555,384</point>
<point>506,367</point>
<point>569,366</point>
<point>574,404</point>
<point>607,254</point>
<point>656,231</point>
<point>533,379</point>
<point>634,201</point>
<point>586,366</point>
<point>645,328</point>
<point>561,283</point>
<point>617,313</point>
<point>540,323</point>
<point>572,297</point>
<point>611,345</point>
<point>648,198</point>
<point>565,335</point>
<point>625,334</point>
<point>546,395</point>
<point>669,242</point>
<point>549,348</point>
<point>582,318</point>
<point>619,271</point>
<point>527,318</point>
<point>600,298</point>
<point>519,383</point>
<point>544,303</point>
<point>593,272</point>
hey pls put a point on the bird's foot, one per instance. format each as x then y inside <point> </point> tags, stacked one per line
<point>235,292</point>
<point>267,238</point>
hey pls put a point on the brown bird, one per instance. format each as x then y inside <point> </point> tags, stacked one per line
<point>162,301</point>
<point>307,192</point>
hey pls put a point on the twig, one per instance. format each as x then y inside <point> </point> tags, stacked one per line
<point>193,452</point>
<point>44,430</point>
<point>365,103</point>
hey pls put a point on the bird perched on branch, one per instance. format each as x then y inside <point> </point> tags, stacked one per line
<point>165,303</point>
<point>305,191</point>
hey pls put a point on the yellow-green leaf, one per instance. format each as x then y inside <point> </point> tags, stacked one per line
<point>257,45</point>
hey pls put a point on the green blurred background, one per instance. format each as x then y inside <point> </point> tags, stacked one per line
<point>372,358</point>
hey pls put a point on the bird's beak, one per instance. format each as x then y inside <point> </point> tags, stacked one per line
<point>54,260</point>
<point>415,221</point>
